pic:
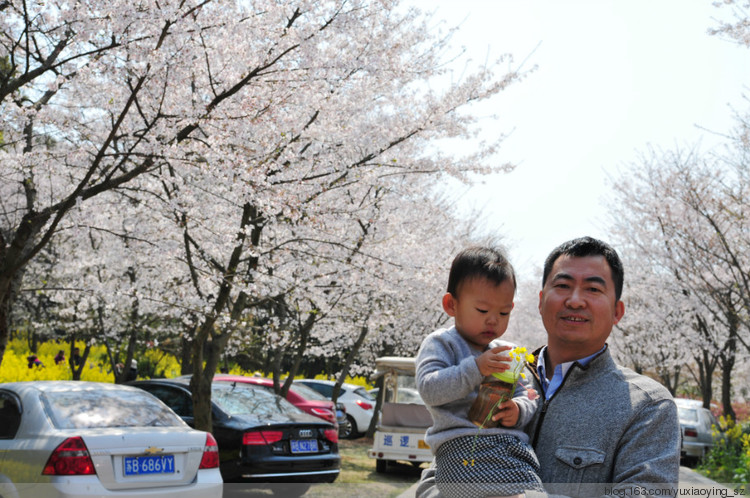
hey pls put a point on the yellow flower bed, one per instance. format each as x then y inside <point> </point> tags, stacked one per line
<point>15,365</point>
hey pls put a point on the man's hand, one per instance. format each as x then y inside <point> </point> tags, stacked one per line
<point>507,413</point>
<point>494,360</point>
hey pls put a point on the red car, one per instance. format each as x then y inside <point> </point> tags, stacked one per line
<point>305,401</point>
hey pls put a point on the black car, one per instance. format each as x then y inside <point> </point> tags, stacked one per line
<point>262,437</point>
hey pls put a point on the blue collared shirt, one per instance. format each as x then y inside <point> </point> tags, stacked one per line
<point>551,386</point>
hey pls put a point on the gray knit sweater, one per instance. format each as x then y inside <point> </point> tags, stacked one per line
<point>448,380</point>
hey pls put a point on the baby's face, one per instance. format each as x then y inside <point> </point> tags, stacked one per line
<point>481,310</point>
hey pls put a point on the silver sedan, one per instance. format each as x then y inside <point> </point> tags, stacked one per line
<point>65,438</point>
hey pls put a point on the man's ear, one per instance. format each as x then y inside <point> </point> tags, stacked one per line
<point>541,296</point>
<point>449,304</point>
<point>619,311</point>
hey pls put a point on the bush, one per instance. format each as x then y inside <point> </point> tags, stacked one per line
<point>729,459</point>
<point>157,364</point>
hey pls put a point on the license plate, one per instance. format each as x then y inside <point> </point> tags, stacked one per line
<point>304,445</point>
<point>157,464</point>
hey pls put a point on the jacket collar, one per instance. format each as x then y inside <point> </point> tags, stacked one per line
<point>535,372</point>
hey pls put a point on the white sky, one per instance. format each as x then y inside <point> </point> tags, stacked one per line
<point>613,77</point>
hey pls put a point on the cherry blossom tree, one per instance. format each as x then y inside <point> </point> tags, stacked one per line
<point>655,335</point>
<point>687,212</point>
<point>739,28</point>
<point>248,151</point>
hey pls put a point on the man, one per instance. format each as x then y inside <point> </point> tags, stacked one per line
<point>601,428</point>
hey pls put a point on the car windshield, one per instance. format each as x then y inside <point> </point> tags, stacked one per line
<point>88,409</point>
<point>238,399</point>
<point>307,392</point>
<point>688,414</point>
<point>324,389</point>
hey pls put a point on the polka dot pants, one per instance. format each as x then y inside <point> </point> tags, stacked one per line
<point>486,465</point>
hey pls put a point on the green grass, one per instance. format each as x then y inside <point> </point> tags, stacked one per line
<point>359,478</point>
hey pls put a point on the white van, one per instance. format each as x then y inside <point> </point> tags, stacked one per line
<point>403,421</point>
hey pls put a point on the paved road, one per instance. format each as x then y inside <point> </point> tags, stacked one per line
<point>691,479</point>
<point>688,479</point>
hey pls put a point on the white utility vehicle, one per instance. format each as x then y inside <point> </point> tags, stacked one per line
<point>400,432</point>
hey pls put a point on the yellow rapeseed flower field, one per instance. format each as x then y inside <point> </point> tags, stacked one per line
<point>15,365</point>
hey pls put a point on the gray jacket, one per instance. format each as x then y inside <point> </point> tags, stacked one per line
<point>606,424</point>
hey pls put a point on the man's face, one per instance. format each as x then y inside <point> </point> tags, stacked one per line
<point>578,307</point>
<point>481,310</point>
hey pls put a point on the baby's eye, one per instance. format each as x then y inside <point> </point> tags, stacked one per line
<point>481,310</point>
<point>504,313</point>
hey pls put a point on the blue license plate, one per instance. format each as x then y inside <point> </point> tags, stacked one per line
<point>304,445</point>
<point>157,464</point>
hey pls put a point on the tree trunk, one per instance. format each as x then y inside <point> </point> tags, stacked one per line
<point>77,370</point>
<point>727,359</point>
<point>200,382</point>
<point>670,377</point>
<point>206,356</point>
<point>10,282</point>
<point>200,386</point>
<point>186,364</point>
<point>726,390</point>
<point>378,405</point>
<point>304,334</point>
<point>706,369</point>
<point>350,358</point>
<point>4,315</point>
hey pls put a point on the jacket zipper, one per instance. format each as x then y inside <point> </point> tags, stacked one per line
<point>539,423</point>
<point>546,404</point>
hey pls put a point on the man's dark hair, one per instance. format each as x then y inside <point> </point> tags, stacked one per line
<point>588,246</point>
<point>485,262</point>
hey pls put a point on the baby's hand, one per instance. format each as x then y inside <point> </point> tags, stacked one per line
<point>531,393</point>
<point>507,413</point>
<point>494,360</point>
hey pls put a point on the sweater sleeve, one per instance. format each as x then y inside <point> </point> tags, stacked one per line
<point>526,406</point>
<point>649,451</point>
<point>443,373</point>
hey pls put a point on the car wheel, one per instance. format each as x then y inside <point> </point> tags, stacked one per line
<point>381,466</point>
<point>348,430</point>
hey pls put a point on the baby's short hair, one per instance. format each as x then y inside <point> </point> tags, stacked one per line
<point>485,262</point>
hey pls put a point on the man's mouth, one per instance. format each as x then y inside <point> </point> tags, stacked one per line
<point>579,319</point>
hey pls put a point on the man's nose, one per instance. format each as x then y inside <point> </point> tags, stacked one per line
<point>575,299</point>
